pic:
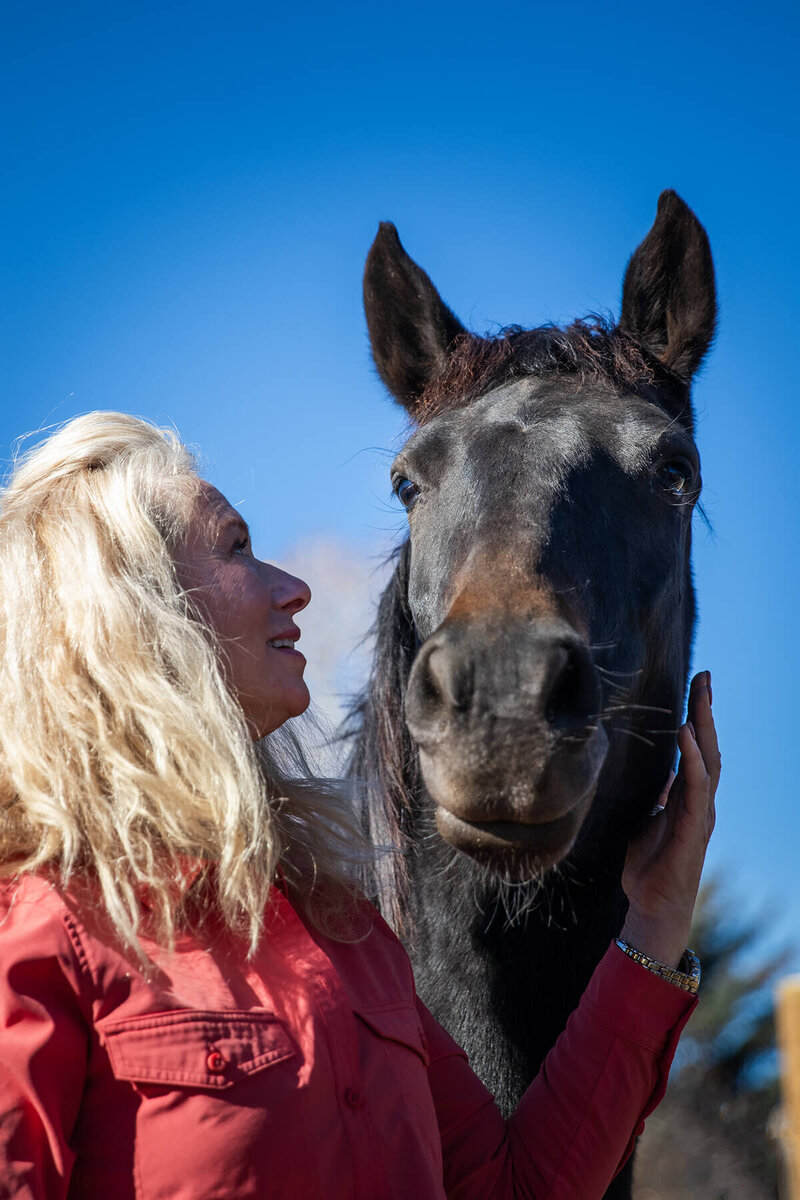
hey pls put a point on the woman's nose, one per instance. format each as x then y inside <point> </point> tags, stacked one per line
<point>289,593</point>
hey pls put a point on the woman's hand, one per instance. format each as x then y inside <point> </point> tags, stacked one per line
<point>663,865</point>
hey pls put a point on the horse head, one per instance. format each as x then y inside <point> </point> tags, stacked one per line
<point>550,479</point>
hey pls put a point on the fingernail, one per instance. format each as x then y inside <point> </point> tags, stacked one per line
<point>690,727</point>
<point>708,685</point>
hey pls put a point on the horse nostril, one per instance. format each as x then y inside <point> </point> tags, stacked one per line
<point>442,682</point>
<point>573,696</point>
<point>429,693</point>
<point>517,683</point>
<point>453,677</point>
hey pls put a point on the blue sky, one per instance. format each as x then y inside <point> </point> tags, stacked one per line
<point>190,190</point>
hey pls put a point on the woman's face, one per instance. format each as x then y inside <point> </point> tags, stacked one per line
<point>251,605</point>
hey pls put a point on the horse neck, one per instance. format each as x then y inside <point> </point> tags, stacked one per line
<point>505,988</point>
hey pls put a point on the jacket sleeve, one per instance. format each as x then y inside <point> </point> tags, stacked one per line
<point>576,1125</point>
<point>44,1040</point>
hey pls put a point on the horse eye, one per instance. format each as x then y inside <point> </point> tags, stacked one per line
<point>676,476</point>
<point>406,492</point>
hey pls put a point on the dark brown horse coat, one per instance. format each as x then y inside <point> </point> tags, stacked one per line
<point>533,644</point>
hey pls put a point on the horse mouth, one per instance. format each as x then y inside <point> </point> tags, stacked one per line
<point>538,845</point>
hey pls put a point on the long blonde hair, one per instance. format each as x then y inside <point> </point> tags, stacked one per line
<point>124,757</point>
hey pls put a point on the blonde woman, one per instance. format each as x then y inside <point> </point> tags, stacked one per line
<point>194,1000</point>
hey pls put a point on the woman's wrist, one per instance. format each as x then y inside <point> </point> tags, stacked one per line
<point>663,941</point>
<point>685,976</point>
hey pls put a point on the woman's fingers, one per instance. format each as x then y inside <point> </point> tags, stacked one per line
<point>693,778</point>
<point>702,719</point>
<point>699,769</point>
<point>663,799</point>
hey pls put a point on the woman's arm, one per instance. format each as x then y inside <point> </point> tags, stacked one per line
<point>43,1042</point>
<point>577,1122</point>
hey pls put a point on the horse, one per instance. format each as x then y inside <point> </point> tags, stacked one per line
<point>532,645</point>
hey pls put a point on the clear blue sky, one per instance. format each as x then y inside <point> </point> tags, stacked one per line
<point>190,190</point>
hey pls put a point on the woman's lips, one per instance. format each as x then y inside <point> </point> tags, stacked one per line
<point>290,650</point>
<point>285,641</point>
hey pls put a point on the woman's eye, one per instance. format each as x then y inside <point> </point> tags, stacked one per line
<point>676,476</point>
<point>406,492</point>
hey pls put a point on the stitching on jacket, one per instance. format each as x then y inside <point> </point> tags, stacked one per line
<point>73,929</point>
<point>206,1018</point>
<point>133,1073</point>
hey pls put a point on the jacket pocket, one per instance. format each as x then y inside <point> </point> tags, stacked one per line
<point>398,1023</point>
<point>194,1048</point>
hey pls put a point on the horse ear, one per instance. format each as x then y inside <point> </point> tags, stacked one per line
<point>410,326</point>
<point>669,297</point>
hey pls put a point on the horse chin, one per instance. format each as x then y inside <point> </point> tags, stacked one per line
<point>520,822</point>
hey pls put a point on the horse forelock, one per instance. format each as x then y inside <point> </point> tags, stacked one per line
<point>591,347</point>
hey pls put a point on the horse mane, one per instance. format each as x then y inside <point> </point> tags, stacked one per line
<point>591,346</point>
<point>384,760</point>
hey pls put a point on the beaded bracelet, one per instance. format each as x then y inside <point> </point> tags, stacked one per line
<point>685,976</point>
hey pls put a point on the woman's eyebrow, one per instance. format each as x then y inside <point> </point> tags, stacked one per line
<point>235,523</point>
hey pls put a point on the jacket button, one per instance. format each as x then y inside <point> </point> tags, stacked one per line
<point>216,1062</point>
<point>353,1097</point>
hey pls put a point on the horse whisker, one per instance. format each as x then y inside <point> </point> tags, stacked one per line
<point>632,733</point>
<point>639,708</point>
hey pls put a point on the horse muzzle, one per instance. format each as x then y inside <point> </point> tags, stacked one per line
<point>507,721</point>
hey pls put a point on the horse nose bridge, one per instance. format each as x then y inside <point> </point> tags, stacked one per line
<point>544,672</point>
<point>498,581</point>
<point>534,671</point>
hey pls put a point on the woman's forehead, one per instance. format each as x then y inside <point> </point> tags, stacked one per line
<point>213,501</point>
<point>211,513</point>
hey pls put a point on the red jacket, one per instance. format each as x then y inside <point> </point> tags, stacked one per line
<point>312,1071</point>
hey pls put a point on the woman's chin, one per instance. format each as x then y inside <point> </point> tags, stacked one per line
<point>302,701</point>
<point>293,702</point>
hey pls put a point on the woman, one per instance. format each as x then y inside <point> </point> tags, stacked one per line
<point>194,1001</point>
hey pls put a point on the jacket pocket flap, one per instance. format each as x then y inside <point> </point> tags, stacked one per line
<point>196,1048</point>
<point>398,1024</point>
